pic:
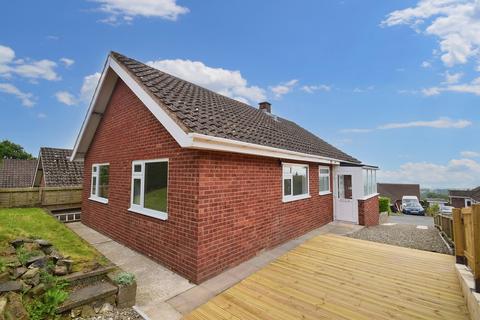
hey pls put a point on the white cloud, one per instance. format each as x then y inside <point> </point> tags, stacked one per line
<point>442,123</point>
<point>124,10</point>
<point>226,82</point>
<point>362,90</point>
<point>88,87</point>
<point>472,87</point>
<point>66,98</point>
<point>356,130</point>
<point>470,154</point>
<point>432,91</point>
<point>452,78</point>
<point>25,98</point>
<point>455,23</point>
<point>426,64</point>
<point>457,173</point>
<point>319,87</point>
<point>67,62</point>
<point>283,88</point>
<point>41,69</point>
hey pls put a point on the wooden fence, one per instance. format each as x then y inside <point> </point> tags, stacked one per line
<point>43,196</point>
<point>466,229</point>
<point>444,223</point>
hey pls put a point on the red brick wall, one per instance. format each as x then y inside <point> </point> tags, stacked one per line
<point>222,208</point>
<point>241,210</point>
<point>368,212</point>
<point>458,202</point>
<point>127,132</point>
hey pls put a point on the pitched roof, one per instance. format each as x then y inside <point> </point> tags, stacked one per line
<point>469,193</point>
<point>395,191</point>
<point>199,110</point>
<point>58,170</point>
<point>17,173</point>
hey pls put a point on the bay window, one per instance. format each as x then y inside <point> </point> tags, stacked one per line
<point>149,192</point>
<point>324,180</point>
<point>99,185</point>
<point>295,182</point>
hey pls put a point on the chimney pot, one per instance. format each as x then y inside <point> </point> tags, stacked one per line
<point>265,107</point>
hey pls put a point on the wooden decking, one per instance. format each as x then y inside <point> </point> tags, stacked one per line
<point>333,277</point>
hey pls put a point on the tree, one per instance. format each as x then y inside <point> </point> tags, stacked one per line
<point>10,150</point>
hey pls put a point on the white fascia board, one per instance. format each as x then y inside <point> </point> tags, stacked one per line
<point>205,142</point>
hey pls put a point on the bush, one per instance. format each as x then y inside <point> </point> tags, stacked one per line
<point>433,210</point>
<point>384,204</point>
<point>124,279</point>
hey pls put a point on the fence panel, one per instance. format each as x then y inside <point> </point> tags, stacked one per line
<point>34,197</point>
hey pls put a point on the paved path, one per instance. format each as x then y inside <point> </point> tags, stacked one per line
<point>164,295</point>
<point>409,219</point>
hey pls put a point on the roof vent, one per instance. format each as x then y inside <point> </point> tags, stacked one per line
<point>265,107</point>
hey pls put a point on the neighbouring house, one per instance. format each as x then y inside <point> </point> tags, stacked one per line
<point>17,173</point>
<point>201,182</point>
<point>464,198</point>
<point>436,201</point>
<point>395,192</point>
<point>55,169</point>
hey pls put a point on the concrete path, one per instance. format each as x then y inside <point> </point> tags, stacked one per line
<point>409,219</point>
<point>164,295</point>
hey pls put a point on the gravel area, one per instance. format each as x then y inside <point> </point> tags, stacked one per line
<point>404,235</point>
<point>117,314</point>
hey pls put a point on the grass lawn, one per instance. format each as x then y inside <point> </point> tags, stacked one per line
<point>36,223</point>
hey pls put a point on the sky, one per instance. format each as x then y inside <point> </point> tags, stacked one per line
<point>393,83</point>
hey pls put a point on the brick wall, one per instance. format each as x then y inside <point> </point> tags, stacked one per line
<point>127,132</point>
<point>223,208</point>
<point>458,202</point>
<point>368,212</point>
<point>241,210</point>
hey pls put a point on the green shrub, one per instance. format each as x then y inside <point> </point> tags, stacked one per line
<point>124,278</point>
<point>433,210</point>
<point>384,204</point>
<point>46,306</point>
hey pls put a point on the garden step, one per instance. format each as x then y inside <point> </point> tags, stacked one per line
<point>87,295</point>
<point>72,278</point>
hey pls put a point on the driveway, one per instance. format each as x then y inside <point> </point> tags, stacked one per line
<point>408,219</point>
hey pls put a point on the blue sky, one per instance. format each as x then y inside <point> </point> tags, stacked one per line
<point>394,87</point>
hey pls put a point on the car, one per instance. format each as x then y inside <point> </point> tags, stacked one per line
<point>411,205</point>
<point>446,209</point>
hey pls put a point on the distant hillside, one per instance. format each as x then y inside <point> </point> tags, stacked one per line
<point>434,193</point>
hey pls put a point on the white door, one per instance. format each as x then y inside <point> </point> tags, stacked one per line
<point>345,203</point>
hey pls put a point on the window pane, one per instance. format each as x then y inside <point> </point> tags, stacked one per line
<point>103,182</point>
<point>324,171</point>
<point>156,179</point>
<point>95,169</point>
<point>136,191</point>
<point>94,185</point>
<point>324,184</point>
<point>287,187</point>
<point>137,168</point>
<point>299,181</point>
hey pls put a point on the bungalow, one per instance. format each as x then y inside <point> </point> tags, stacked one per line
<point>464,198</point>
<point>54,169</point>
<point>201,182</point>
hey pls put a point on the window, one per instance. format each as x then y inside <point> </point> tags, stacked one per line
<point>295,182</point>
<point>324,180</point>
<point>345,186</point>
<point>99,188</point>
<point>150,188</point>
<point>369,182</point>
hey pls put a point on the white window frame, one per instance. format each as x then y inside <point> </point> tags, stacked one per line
<point>289,198</point>
<point>96,197</point>
<point>139,208</point>
<point>320,175</point>
<point>369,182</point>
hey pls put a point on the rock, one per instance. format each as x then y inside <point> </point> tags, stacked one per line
<point>15,308</point>
<point>97,306</point>
<point>4,277</point>
<point>67,263</point>
<point>9,250</point>
<point>60,270</point>
<point>106,308</point>
<point>74,313</point>
<point>87,311</point>
<point>31,273</point>
<point>25,287</point>
<point>10,286</point>
<point>31,247</point>
<point>55,255</point>
<point>40,263</point>
<point>12,261</point>
<point>18,272</point>
<point>33,281</point>
<point>3,306</point>
<point>38,289</point>
<point>43,243</point>
<point>17,243</point>
<point>39,256</point>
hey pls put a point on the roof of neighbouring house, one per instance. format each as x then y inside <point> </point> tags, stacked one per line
<point>395,191</point>
<point>468,193</point>
<point>17,173</point>
<point>58,170</point>
<point>202,111</point>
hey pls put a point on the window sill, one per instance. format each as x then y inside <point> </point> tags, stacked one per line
<point>295,198</point>
<point>369,196</point>
<point>98,199</point>
<point>149,213</point>
<point>324,193</point>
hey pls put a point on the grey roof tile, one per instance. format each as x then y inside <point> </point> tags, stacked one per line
<point>58,170</point>
<point>17,173</point>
